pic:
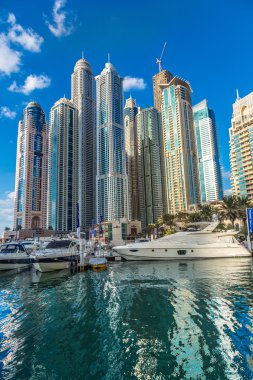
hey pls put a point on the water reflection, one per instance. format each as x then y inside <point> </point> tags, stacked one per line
<point>174,320</point>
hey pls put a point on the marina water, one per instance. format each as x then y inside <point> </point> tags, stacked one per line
<point>162,320</point>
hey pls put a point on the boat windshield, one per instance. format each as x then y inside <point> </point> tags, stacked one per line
<point>11,248</point>
<point>59,244</point>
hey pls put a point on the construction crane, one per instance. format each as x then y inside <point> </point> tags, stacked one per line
<point>159,61</point>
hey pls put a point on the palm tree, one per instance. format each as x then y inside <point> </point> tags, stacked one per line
<point>194,217</point>
<point>230,208</point>
<point>206,212</point>
<point>243,202</point>
<point>182,216</point>
<point>168,220</point>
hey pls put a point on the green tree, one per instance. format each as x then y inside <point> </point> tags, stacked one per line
<point>182,216</point>
<point>7,229</point>
<point>206,212</point>
<point>194,217</point>
<point>230,208</point>
<point>242,203</point>
<point>167,219</point>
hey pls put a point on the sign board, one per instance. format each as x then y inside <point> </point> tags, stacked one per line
<point>250,220</point>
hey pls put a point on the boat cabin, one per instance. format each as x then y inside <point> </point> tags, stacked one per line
<point>11,248</point>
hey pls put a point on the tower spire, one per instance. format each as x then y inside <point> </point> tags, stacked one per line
<point>82,55</point>
<point>237,94</point>
<point>109,58</point>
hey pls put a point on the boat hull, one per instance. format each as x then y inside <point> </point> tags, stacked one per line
<point>183,253</point>
<point>10,266</point>
<point>50,266</point>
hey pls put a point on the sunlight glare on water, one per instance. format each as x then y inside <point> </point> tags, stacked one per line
<point>153,320</point>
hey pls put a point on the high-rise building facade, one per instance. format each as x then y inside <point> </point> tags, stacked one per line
<point>31,169</point>
<point>131,146</point>
<point>63,166</point>
<point>241,146</point>
<point>181,168</point>
<point>210,179</point>
<point>83,98</point>
<point>149,167</point>
<point>112,193</point>
<point>163,77</point>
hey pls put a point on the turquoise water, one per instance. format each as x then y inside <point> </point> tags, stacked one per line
<point>174,320</point>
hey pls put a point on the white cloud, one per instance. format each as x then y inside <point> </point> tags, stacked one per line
<point>228,192</point>
<point>130,83</point>
<point>225,173</point>
<point>6,112</point>
<point>10,59</point>
<point>11,19</point>
<point>27,38</point>
<point>60,26</point>
<point>7,211</point>
<point>32,82</point>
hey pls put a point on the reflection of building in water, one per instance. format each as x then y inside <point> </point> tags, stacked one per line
<point>31,169</point>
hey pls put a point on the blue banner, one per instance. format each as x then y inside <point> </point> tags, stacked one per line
<point>250,219</point>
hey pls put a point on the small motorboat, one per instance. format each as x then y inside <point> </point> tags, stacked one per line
<point>14,256</point>
<point>98,263</point>
<point>57,255</point>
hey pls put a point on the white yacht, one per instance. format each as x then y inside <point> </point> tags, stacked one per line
<point>14,256</point>
<point>203,244</point>
<point>57,255</point>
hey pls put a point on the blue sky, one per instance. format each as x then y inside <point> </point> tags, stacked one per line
<point>209,43</point>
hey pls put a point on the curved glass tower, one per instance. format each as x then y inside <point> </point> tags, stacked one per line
<point>31,169</point>
<point>83,99</point>
<point>210,179</point>
<point>111,165</point>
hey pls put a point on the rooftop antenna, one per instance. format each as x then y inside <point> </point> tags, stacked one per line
<point>82,55</point>
<point>109,59</point>
<point>237,94</point>
<point>159,60</point>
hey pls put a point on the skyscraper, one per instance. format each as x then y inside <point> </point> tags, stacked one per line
<point>179,146</point>
<point>241,146</point>
<point>83,99</point>
<point>131,145</point>
<point>149,167</point>
<point>210,179</point>
<point>112,201</point>
<point>163,77</point>
<point>31,169</point>
<point>63,166</point>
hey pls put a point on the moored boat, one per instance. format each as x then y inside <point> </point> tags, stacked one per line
<point>98,263</point>
<point>57,255</point>
<point>203,244</point>
<point>14,256</point>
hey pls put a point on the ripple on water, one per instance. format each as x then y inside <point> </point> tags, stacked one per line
<point>174,320</point>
